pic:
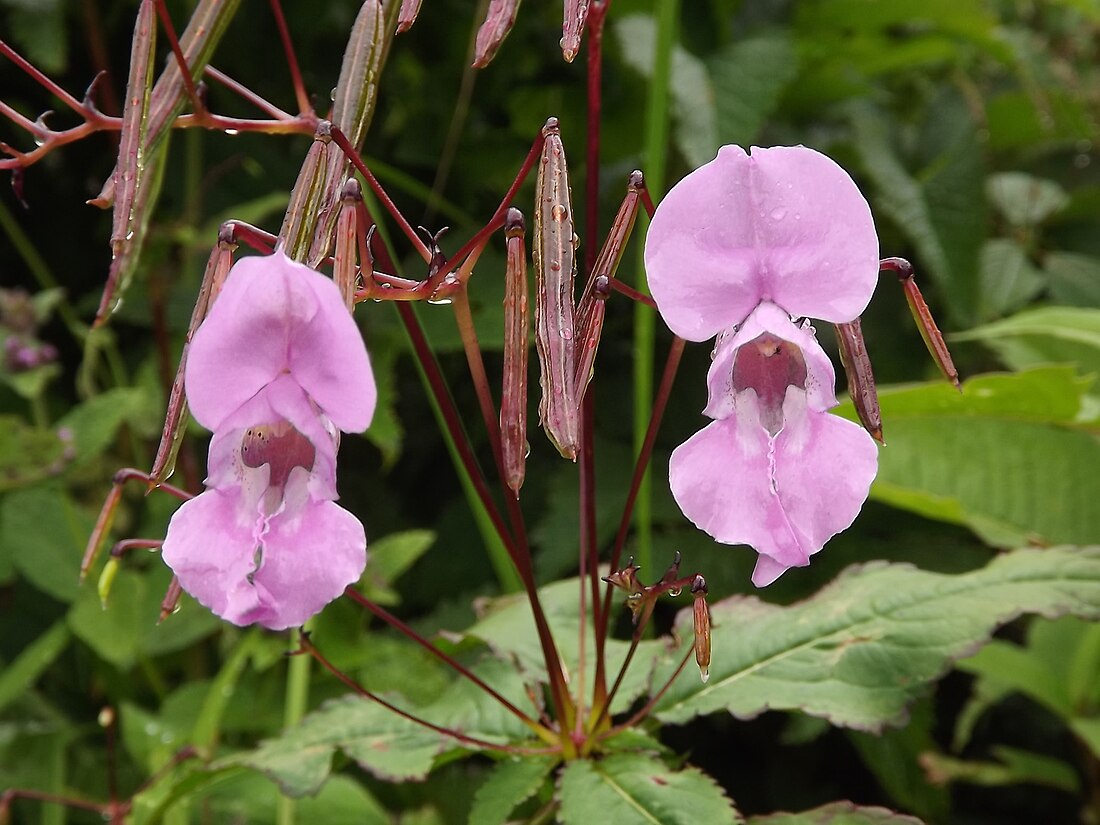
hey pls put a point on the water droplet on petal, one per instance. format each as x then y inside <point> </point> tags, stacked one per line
<point>779,213</point>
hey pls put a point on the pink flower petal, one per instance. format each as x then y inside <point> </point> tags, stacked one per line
<point>212,552</point>
<point>767,317</point>
<point>307,562</point>
<point>282,400</point>
<point>276,316</point>
<point>785,225</point>
<point>303,562</point>
<point>784,496</point>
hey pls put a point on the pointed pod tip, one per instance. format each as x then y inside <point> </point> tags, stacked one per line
<point>704,675</point>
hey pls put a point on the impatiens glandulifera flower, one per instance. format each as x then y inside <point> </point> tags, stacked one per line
<point>744,248</point>
<point>276,370</point>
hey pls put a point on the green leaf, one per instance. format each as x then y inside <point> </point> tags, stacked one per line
<point>1058,668</point>
<point>940,206</point>
<point>631,788</point>
<point>512,782</point>
<point>509,629</point>
<point>1017,766</point>
<point>1068,335</point>
<point>388,558</point>
<point>749,77</point>
<point>693,99</point>
<point>1006,456</point>
<point>838,813</point>
<point>95,422</point>
<point>1025,200</point>
<point>127,627</point>
<point>44,534</point>
<point>1008,280</point>
<point>1074,279</point>
<point>862,649</point>
<point>387,745</point>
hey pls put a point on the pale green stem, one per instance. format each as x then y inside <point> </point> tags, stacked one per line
<point>656,147</point>
<point>297,701</point>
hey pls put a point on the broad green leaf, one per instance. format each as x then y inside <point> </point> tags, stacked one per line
<point>1008,280</point>
<point>631,788</point>
<point>1006,456</point>
<point>127,627</point>
<point>862,649</point>
<point>940,207</point>
<point>1024,200</point>
<point>511,782</point>
<point>387,745</point>
<point>95,422</point>
<point>1058,668</point>
<point>43,532</point>
<point>749,77</point>
<point>509,629</point>
<point>1049,335</point>
<point>1074,279</point>
<point>838,813</point>
<point>249,797</point>
<point>693,99</point>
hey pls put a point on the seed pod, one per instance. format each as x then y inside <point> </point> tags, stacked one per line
<point>352,108</point>
<point>175,422</point>
<point>861,380</point>
<point>591,308</point>
<point>933,338</point>
<point>555,268</point>
<point>134,200</point>
<point>701,614</point>
<point>296,234</point>
<point>407,15</point>
<point>574,17</point>
<point>513,397</point>
<point>499,19</point>
<point>343,254</point>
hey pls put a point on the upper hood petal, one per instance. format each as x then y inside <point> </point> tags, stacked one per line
<point>785,224</point>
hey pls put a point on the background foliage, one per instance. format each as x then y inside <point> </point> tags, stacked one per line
<point>970,126</point>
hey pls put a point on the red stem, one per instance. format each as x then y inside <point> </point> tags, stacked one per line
<point>309,648</point>
<point>411,634</point>
<point>249,95</point>
<point>181,60</point>
<point>304,106</point>
<point>515,545</point>
<point>43,80</point>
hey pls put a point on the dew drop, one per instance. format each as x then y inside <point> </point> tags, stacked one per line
<point>779,213</point>
<point>232,132</point>
<point>674,592</point>
<point>559,213</point>
<point>439,302</point>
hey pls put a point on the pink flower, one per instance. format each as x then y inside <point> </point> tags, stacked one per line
<point>276,370</point>
<point>742,248</point>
